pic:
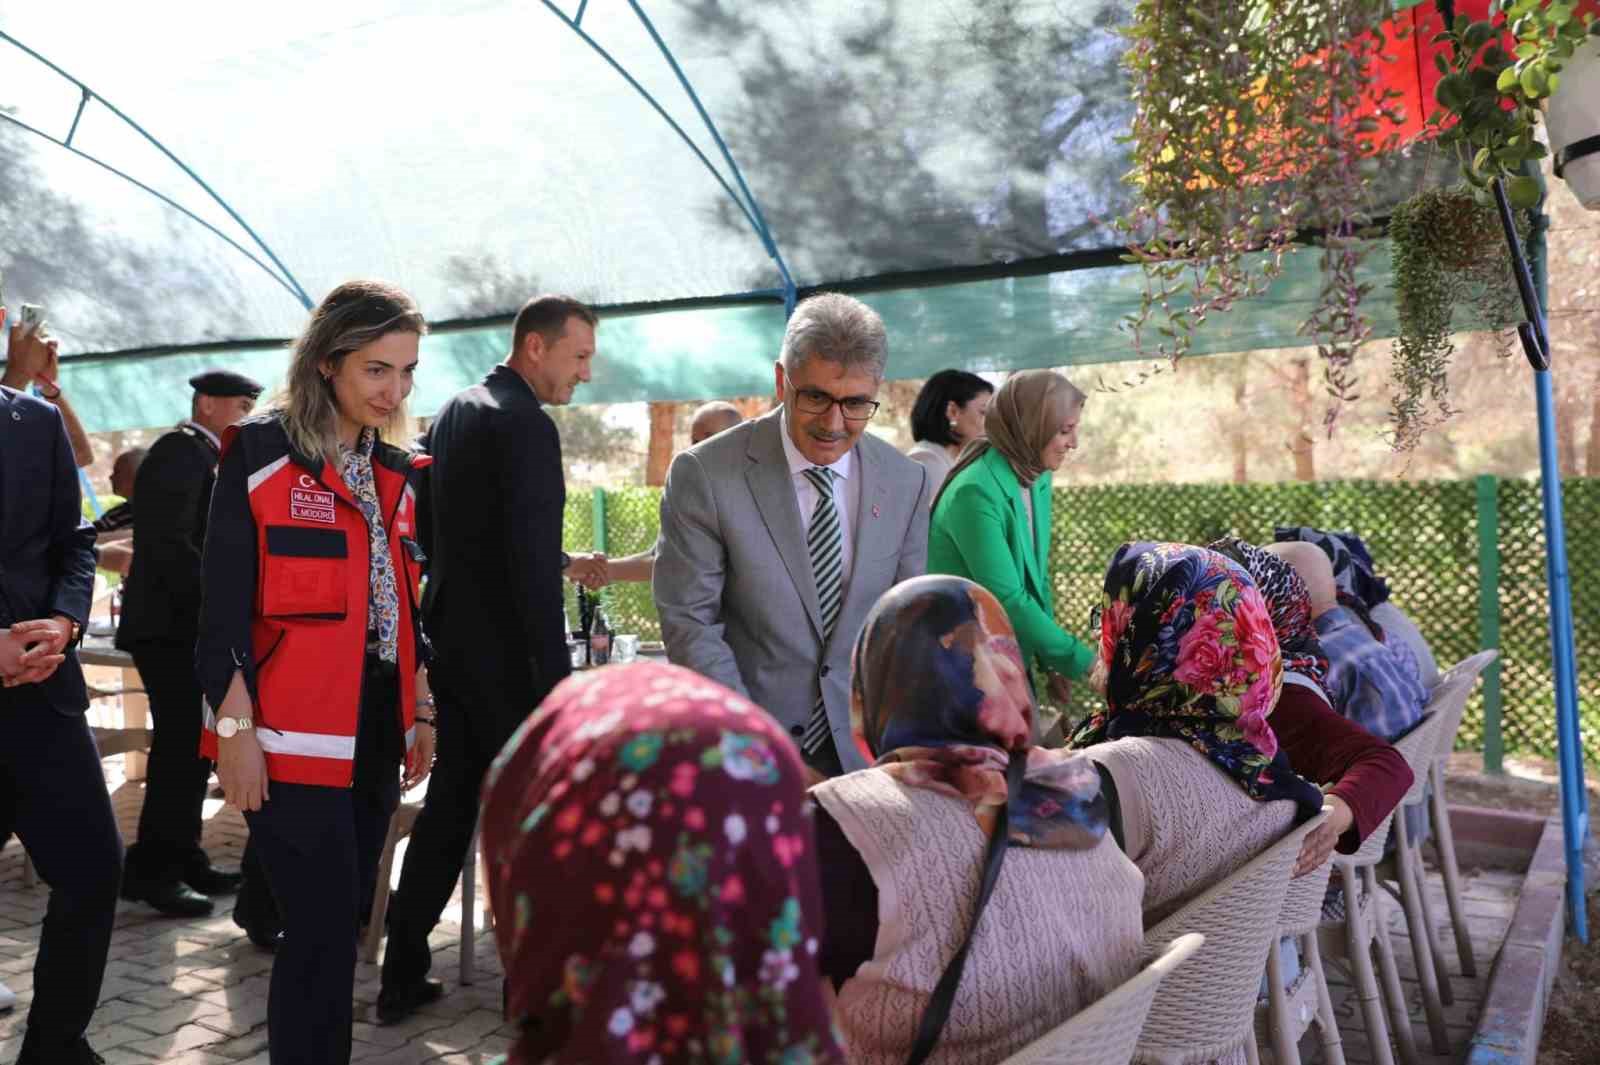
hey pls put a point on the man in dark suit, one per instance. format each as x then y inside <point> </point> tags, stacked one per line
<point>166,866</point>
<point>52,793</point>
<point>493,605</point>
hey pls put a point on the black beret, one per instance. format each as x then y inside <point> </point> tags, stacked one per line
<point>224,383</point>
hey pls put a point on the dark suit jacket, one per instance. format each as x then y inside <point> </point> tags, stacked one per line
<point>46,547</point>
<point>493,511</point>
<point>171,498</point>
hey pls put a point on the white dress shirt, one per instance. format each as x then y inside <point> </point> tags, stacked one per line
<point>846,496</point>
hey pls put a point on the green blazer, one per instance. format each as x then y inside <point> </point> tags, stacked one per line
<point>980,531</point>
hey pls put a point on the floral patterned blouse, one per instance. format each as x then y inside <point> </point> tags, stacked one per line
<point>653,875</point>
<point>383,596</point>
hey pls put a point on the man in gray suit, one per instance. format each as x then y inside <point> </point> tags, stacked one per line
<point>778,535</point>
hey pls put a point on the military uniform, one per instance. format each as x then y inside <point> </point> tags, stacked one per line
<point>159,626</point>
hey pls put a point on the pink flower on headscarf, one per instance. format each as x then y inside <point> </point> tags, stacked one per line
<point>1252,628</point>
<point>1203,658</point>
<point>1253,710</point>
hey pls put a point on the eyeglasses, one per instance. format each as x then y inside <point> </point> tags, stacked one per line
<point>815,401</point>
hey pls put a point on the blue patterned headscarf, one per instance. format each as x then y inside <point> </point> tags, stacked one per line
<point>1191,654</point>
<point>1353,569</point>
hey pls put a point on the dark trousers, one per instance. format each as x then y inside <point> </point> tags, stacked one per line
<point>175,783</point>
<point>50,772</point>
<point>320,849</point>
<point>473,725</point>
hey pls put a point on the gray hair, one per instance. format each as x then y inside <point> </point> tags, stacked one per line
<point>839,329</point>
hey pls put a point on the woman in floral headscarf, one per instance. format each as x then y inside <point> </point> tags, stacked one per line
<point>653,876</point>
<point>941,703</point>
<point>1365,777</point>
<point>1192,671</point>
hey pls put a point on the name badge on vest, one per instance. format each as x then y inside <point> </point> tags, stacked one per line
<point>308,502</point>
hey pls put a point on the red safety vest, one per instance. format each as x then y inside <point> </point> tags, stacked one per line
<point>308,628</point>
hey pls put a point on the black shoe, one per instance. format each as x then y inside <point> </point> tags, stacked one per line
<point>79,1053</point>
<point>395,1004</point>
<point>207,879</point>
<point>175,899</point>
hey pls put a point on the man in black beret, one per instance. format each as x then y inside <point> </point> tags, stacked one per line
<point>166,867</point>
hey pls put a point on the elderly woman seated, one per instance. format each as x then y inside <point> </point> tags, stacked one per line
<point>1197,782</point>
<point>1364,777</point>
<point>1363,590</point>
<point>941,703</point>
<point>653,875</point>
<point>1374,683</point>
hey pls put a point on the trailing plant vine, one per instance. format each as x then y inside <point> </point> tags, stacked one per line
<point>1448,252</point>
<point>1242,139</point>
<point>1449,249</point>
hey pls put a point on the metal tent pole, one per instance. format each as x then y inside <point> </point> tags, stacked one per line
<point>1536,344</point>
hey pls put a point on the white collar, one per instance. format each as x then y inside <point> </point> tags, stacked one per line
<point>799,464</point>
<point>216,442</point>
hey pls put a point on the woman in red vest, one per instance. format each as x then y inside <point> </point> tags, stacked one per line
<point>310,649</point>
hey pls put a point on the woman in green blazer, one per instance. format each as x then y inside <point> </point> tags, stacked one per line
<point>991,521</point>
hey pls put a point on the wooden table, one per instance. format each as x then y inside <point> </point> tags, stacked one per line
<point>132,738</point>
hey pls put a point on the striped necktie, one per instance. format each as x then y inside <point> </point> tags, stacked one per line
<point>826,548</point>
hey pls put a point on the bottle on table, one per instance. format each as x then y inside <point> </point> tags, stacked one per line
<point>585,622</point>
<point>599,636</point>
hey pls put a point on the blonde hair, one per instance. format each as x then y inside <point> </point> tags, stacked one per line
<point>1022,418</point>
<point>350,317</point>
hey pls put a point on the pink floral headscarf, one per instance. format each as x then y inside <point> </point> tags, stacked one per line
<point>1191,654</point>
<point>653,875</point>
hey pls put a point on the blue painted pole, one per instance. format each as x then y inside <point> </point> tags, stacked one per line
<point>1536,344</point>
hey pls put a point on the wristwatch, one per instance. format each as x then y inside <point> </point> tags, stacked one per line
<point>229,727</point>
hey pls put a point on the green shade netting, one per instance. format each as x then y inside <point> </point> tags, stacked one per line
<point>1059,319</point>
<point>479,152</point>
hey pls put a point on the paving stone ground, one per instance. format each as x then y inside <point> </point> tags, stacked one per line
<point>195,992</point>
<point>1490,897</point>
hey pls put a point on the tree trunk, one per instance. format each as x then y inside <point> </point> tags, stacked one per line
<point>1569,412</point>
<point>1593,457</point>
<point>663,419</point>
<point>1303,442</point>
<point>752,406</point>
<point>1239,437</point>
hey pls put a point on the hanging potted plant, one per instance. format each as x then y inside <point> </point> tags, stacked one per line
<point>1574,122</point>
<point>1448,252</point>
<point>1241,141</point>
<point>1447,245</point>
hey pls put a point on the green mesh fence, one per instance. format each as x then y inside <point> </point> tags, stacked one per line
<point>1425,536</point>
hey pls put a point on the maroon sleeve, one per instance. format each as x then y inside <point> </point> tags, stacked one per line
<point>1325,748</point>
<point>849,902</point>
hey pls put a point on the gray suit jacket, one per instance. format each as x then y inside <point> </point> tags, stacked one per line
<point>733,580</point>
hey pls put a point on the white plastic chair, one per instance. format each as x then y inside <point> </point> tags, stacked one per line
<point>1404,867</point>
<point>1290,1011</point>
<point>1104,1033</point>
<point>1207,1009</point>
<point>1465,672</point>
<point>1364,928</point>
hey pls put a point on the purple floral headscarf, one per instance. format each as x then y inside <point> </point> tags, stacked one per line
<point>653,875</point>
